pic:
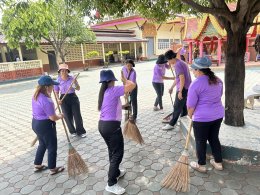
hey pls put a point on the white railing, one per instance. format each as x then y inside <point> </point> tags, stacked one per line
<point>20,65</point>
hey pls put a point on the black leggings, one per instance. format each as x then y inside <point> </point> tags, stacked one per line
<point>112,134</point>
<point>207,131</point>
<point>133,96</point>
<point>159,89</point>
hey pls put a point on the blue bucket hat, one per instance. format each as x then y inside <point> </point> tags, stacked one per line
<point>46,81</point>
<point>201,63</point>
<point>107,76</point>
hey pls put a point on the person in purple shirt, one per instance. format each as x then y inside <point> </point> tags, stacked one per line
<point>43,124</point>
<point>110,107</point>
<point>206,110</point>
<point>70,105</point>
<point>182,53</point>
<point>182,83</point>
<point>158,81</point>
<point>129,73</point>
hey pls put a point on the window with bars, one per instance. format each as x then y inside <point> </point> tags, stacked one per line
<point>164,43</point>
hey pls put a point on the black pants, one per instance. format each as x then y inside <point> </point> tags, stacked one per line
<point>112,134</point>
<point>133,96</point>
<point>71,110</point>
<point>47,136</point>
<point>207,131</point>
<point>159,89</point>
<point>182,58</point>
<point>179,108</point>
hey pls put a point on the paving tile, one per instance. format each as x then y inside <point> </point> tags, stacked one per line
<point>27,189</point>
<point>227,191</point>
<point>57,191</point>
<point>99,186</point>
<point>251,190</point>
<point>211,186</point>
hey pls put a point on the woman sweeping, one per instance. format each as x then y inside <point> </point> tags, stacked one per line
<point>43,124</point>
<point>206,110</point>
<point>70,105</point>
<point>129,73</point>
<point>110,107</point>
<point>158,81</point>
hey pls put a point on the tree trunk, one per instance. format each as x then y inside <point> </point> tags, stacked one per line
<point>235,78</point>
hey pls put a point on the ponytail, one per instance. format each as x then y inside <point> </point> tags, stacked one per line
<point>212,77</point>
<point>102,90</point>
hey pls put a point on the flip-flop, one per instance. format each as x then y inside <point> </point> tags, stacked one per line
<point>198,167</point>
<point>56,170</point>
<point>41,168</point>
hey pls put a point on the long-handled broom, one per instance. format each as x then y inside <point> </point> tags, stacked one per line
<point>35,139</point>
<point>168,117</point>
<point>76,165</point>
<point>131,130</point>
<point>178,178</point>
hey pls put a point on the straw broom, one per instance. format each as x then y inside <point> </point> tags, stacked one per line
<point>131,130</point>
<point>168,117</point>
<point>76,165</point>
<point>178,178</point>
<point>35,139</point>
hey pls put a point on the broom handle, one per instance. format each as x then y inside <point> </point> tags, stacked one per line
<point>172,70</point>
<point>188,136</point>
<point>69,88</point>
<point>64,126</point>
<point>171,99</point>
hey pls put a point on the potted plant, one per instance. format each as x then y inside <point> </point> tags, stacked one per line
<point>90,56</point>
<point>124,53</point>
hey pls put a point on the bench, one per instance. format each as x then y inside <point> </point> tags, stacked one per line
<point>250,96</point>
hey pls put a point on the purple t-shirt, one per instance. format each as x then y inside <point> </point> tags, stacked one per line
<point>182,68</point>
<point>183,51</point>
<point>43,107</point>
<point>111,109</point>
<point>132,76</point>
<point>159,72</point>
<point>206,99</point>
<point>64,85</point>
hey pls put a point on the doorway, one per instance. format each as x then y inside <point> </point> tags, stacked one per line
<point>150,47</point>
<point>52,61</point>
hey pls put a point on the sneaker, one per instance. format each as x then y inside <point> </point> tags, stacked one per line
<point>73,134</point>
<point>168,127</point>
<point>83,135</point>
<point>155,108</point>
<point>161,111</point>
<point>122,173</point>
<point>115,189</point>
<point>217,166</point>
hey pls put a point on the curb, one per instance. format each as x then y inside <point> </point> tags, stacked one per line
<point>231,154</point>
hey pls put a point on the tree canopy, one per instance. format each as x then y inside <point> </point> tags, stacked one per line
<point>236,22</point>
<point>55,21</point>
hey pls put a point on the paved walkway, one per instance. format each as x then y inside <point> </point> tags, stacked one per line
<point>146,165</point>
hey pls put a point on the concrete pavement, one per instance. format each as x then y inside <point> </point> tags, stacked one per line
<point>146,165</point>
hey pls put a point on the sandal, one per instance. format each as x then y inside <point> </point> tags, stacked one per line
<point>56,170</point>
<point>198,167</point>
<point>39,169</point>
<point>217,166</point>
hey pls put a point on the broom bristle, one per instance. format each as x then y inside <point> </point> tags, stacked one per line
<point>76,165</point>
<point>132,132</point>
<point>178,178</point>
<point>34,141</point>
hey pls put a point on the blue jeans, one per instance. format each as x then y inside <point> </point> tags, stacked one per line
<point>47,136</point>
